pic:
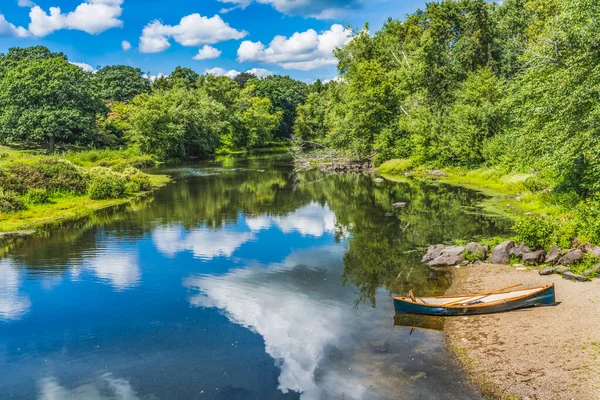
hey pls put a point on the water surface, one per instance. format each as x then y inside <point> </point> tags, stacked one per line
<point>241,280</point>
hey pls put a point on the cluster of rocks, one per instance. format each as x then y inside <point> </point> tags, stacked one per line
<point>557,260</point>
<point>347,167</point>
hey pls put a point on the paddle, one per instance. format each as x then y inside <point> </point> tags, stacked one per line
<point>479,297</point>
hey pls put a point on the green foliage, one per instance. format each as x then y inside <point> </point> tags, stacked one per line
<point>472,257</point>
<point>587,221</point>
<point>37,196</point>
<point>137,181</point>
<point>255,121</point>
<point>52,174</point>
<point>536,232</point>
<point>120,83</point>
<point>106,184</point>
<point>10,202</point>
<point>396,166</point>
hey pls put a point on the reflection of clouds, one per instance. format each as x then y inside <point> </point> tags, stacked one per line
<point>262,300</point>
<point>312,219</point>
<point>118,267</point>
<point>12,304</point>
<point>204,243</point>
<point>107,387</point>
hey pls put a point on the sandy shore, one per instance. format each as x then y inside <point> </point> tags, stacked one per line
<point>540,353</point>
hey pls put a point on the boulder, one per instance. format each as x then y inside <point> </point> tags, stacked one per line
<point>561,269</point>
<point>453,251</point>
<point>476,249</point>
<point>446,260</point>
<point>547,271</point>
<point>433,252</point>
<point>595,251</point>
<point>572,257</point>
<point>501,253</point>
<point>486,248</point>
<point>478,262</point>
<point>574,277</point>
<point>534,257</point>
<point>519,250</point>
<point>399,204</point>
<point>553,255</point>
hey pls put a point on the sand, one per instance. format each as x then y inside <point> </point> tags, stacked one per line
<point>540,353</point>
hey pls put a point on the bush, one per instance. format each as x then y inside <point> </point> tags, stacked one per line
<point>37,196</point>
<point>51,174</point>
<point>10,202</point>
<point>106,184</point>
<point>535,232</point>
<point>587,221</point>
<point>137,181</point>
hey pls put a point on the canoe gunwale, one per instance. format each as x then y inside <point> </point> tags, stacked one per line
<point>540,289</point>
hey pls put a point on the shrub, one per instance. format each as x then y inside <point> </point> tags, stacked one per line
<point>535,232</point>
<point>137,181</point>
<point>587,220</point>
<point>62,175</point>
<point>37,196</point>
<point>106,184</point>
<point>10,202</point>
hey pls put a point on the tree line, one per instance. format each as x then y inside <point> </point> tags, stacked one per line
<point>513,85</point>
<point>46,100</point>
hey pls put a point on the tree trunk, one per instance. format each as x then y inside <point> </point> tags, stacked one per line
<point>51,143</point>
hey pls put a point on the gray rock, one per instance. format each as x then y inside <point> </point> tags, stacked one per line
<point>476,249</point>
<point>561,269</point>
<point>446,260</point>
<point>501,253</point>
<point>572,257</point>
<point>453,251</point>
<point>534,257</point>
<point>595,251</point>
<point>596,268</point>
<point>517,266</point>
<point>399,204</point>
<point>437,172</point>
<point>553,255</point>
<point>389,214</point>
<point>587,272</point>
<point>433,252</point>
<point>519,250</point>
<point>574,277</point>
<point>486,248</point>
<point>478,262</point>
<point>547,271</point>
<point>378,180</point>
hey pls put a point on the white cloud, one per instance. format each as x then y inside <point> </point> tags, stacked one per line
<point>192,30</point>
<point>302,51</point>
<point>336,79</point>
<point>92,16</point>
<point>107,387</point>
<point>26,3</point>
<point>232,73</point>
<point>84,66</point>
<point>8,29</point>
<point>310,8</point>
<point>125,45</point>
<point>152,78</point>
<point>204,243</point>
<point>207,53</point>
<point>13,305</point>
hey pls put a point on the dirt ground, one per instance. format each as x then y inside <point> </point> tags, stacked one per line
<point>540,353</point>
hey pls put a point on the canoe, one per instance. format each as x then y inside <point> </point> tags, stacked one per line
<point>473,304</point>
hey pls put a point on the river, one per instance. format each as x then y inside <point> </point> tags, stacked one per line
<point>242,279</point>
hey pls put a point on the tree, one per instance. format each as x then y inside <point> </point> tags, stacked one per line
<point>44,98</point>
<point>255,121</point>
<point>310,119</point>
<point>243,78</point>
<point>120,83</point>
<point>285,94</point>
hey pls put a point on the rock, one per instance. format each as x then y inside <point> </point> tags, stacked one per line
<point>464,263</point>
<point>596,268</point>
<point>476,249</point>
<point>572,257</point>
<point>433,252</point>
<point>453,251</point>
<point>501,253</point>
<point>399,204</point>
<point>519,250</point>
<point>478,262</point>
<point>366,166</point>
<point>553,255</point>
<point>522,269</point>
<point>547,271</point>
<point>380,346</point>
<point>518,266</point>
<point>574,277</point>
<point>446,260</point>
<point>437,172</point>
<point>595,251</point>
<point>486,248</point>
<point>587,272</point>
<point>534,257</point>
<point>389,214</point>
<point>378,180</point>
<point>561,269</point>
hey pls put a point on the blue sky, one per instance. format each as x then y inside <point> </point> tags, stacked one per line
<point>292,37</point>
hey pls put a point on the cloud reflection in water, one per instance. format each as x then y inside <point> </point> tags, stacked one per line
<point>105,388</point>
<point>13,305</point>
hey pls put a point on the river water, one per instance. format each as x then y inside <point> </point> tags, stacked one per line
<point>240,280</point>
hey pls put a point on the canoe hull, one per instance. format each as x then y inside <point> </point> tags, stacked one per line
<point>545,297</point>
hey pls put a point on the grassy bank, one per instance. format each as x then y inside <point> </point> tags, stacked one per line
<point>37,189</point>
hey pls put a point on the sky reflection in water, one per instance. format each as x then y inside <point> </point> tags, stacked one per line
<point>241,285</point>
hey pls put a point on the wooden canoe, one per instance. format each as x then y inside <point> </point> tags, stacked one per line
<point>472,304</point>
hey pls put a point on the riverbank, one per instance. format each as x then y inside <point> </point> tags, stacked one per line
<point>546,353</point>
